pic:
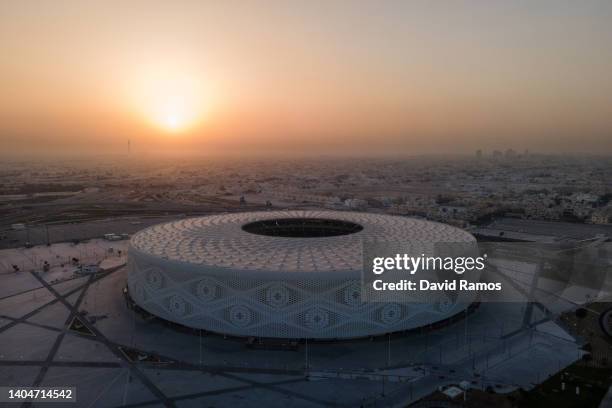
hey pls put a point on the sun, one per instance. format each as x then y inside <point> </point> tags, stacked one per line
<point>175,113</point>
<point>173,122</point>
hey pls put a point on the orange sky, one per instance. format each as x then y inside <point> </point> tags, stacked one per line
<point>305,77</point>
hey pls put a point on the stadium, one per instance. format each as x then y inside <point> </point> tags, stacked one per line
<point>279,274</point>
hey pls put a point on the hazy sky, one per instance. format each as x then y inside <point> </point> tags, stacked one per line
<point>305,77</point>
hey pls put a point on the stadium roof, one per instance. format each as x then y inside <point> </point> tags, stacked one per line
<point>318,240</point>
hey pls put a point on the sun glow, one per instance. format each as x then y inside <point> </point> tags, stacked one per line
<point>175,113</point>
<point>170,99</point>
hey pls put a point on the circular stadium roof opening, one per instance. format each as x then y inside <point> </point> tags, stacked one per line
<point>302,227</point>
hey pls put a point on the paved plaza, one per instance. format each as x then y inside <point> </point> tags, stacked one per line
<point>114,357</point>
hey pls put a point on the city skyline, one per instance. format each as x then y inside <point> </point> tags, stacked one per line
<point>285,78</point>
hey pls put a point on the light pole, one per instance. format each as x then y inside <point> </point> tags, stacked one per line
<point>389,350</point>
<point>306,356</point>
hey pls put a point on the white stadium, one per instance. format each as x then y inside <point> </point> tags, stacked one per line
<point>278,274</point>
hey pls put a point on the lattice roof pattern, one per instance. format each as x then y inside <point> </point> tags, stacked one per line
<point>219,241</point>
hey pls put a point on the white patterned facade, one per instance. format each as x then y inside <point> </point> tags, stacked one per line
<point>208,273</point>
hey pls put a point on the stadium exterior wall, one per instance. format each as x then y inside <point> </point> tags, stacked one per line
<point>269,303</point>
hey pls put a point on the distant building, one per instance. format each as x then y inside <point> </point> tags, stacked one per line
<point>452,212</point>
<point>600,217</point>
<point>479,154</point>
<point>355,203</point>
<point>452,209</point>
<point>584,198</point>
<point>113,237</point>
